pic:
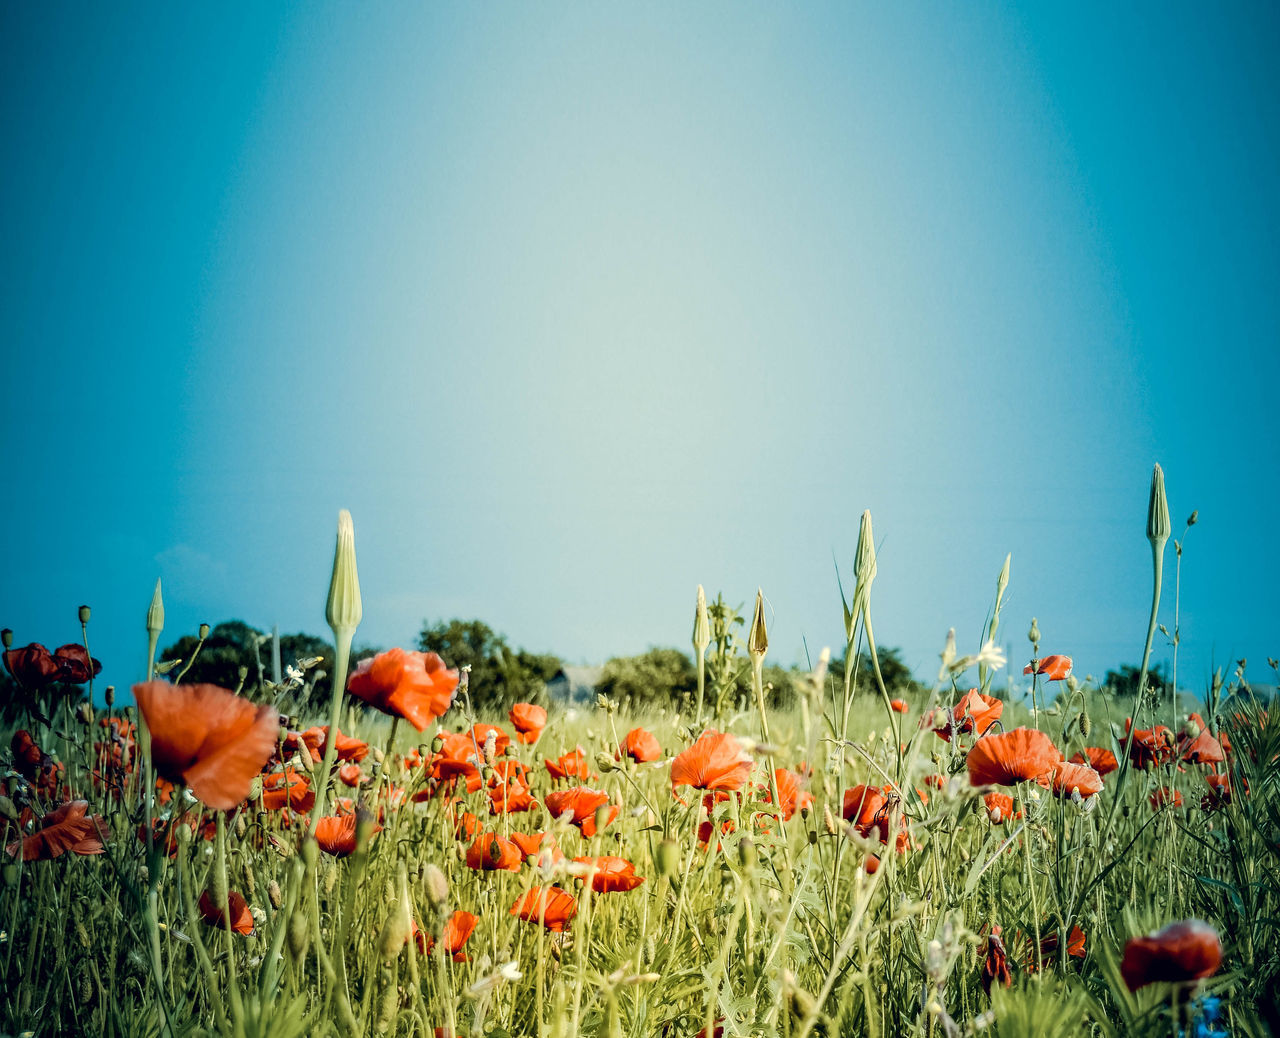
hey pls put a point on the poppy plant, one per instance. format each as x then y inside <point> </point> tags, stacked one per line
<point>69,828</point>
<point>611,874</point>
<point>899,705</point>
<point>1069,778</point>
<point>1054,668</point>
<point>995,968</point>
<point>528,719</point>
<point>1203,749</point>
<point>207,737</point>
<point>480,733</point>
<point>1219,794</point>
<point>241,917</point>
<point>1011,757</point>
<point>570,765</point>
<point>999,807</point>
<point>1049,946</point>
<point>715,761</point>
<point>1102,761</point>
<point>490,852</point>
<point>973,713</point>
<point>510,797</point>
<point>336,834</point>
<point>1182,952</point>
<point>791,793</point>
<point>581,803</point>
<point>457,931</point>
<point>1150,746</point>
<point>33,666</point>
<point>641,746</point>
<point>414,685</point>
<point>551,906</point>
<point>861,805</point>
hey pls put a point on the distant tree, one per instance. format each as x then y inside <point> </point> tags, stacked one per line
<point>659,676</point>
<point>1124,682</point>
<point>500,675</point>
<point>897,675</point>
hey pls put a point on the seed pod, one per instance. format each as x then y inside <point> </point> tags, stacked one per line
<point>11,874</point>
<point>1033,635</point>
<point>241,827</point>
<point>110,696</point>
<point>274,895</point>
<point>250,881</point>
<point>1086,725</point>
<point>299,934</point>
<point>6,638</point>
<point>204,631</point>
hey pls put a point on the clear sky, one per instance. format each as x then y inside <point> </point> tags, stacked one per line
<point>577,306</point>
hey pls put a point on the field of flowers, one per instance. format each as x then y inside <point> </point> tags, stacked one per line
<point>203,863</point>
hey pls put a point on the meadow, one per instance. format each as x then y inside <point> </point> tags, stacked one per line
<point>202,862</point>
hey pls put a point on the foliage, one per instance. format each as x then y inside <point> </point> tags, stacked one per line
<point>499,675</point>
<point>1124,682</point>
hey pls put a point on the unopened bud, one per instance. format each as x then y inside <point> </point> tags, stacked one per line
<point>242,673</point>
<point>668,857</point>
<point>437,885</point>
<point>604,761</point>
<point>1086,725</point>
<point>250,881</point>
<point>758,640</point>
<point>701,625</point>
<point>1158,527</point>
<point>204,631</point>
<point>155,611</point>
<point>747,854</point>
<point>1033,635</point>
<point>1193,518</point>
<point>310,851</point>
<point>6,638</point>
<point>86,713</point>
<point>274,895</point>
<point>84,614</point>
<point>343,610</point>
<point>602,817</point>
<point>299,934</point>
<point>241,827</point>
<point>110,695</point>
<point>304,753</point>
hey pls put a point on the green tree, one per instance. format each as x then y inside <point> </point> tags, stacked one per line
<point>1124,682</point>
<point>665,676</point>
<point>897,675</point>
<point>500,675</point>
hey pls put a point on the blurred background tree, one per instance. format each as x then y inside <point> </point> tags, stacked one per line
<point>500,675</point>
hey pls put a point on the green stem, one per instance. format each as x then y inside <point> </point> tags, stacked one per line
<point>341,659</point>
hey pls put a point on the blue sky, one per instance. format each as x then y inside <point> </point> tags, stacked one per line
<point>576,307</point>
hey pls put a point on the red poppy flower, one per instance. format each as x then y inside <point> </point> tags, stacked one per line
<point>1184,951</point>
<point>791,793</point>
<point>611,874</point>
<point>999,807</point>
<point>1049,947</point>
<point>1102,761</point>
<point>973,713</point>
<point>1203,749</point>
<point>447,769</point>
<point>1165,797</point>
<point>551,906</point>
<point>1068,777</point>
<point>510,797</point>
<point>528,719</point>
<point>28,758</point>
<point>207,737</point>
<point>489,852</point>
<point>641,746</point>
<point>289,788</point>
<point>457,931</point>
<point>861,806</point>
<point>458,746</point>
<point>570,765</point>
<point>995,968</point>
<point>32,666</point>
<point>346,747</point>
<point>581,802</point>
<point>336,834</point>
<point>899,705</point>
<point>241,917</point>
<point>350,775</point>
<point>716,761</point>
<point>509,770</point>
<point>1150,746</point>
<point>465,825</point>
<point>1011,757</point>
<point>1054,668</point>
<point>69,828</point>
<point>531,844</point>
<point>414,685</point>
<point>1219,794</point>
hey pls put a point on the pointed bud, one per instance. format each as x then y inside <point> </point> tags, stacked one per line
<point>155,611</point>
<point>701,625</point>
<point>343,611</point>
<point>1033,635</point>
<point>1002,581</point>
<point>864,564</point>
<point>1193,518</point>
<point>758,641</point>
<point>1158,528</point>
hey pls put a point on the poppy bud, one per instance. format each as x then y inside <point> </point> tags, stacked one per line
<point>242,673</point>
<point>10,875</point>
<point>758,640</point>
<point>398,927</point>
<point>864,566</point>
<point>668,857</point>
<point>6,638</point>
<point>604,761</point>
<point>240,827</point>
<point>1033,635</point>
<point>1158,527</point>
<point>437,885</point>
<point>250,881</point>
<point>204,631</point>
<point>828,820</point>
<point>310,851</point>
<point>86,713</point>
<point>7,810</point>
<point>602,817</point>
<point>304,754</point>
<point>1193,518</point>
<point>110,695</point>
<point>1086,725</point>
<point>330,878</point>
<point>747,854</point>
<point>84,614</point>
<point>183,835</point>
<point>299,935</point>
<point>273,894</point>
<point>701,626</point>
<point>155,611</point>
<point>343,611</point>
<point>364,826</point>
<point>390,1001</point>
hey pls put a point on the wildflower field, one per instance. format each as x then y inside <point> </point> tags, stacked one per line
<point>203,862</point>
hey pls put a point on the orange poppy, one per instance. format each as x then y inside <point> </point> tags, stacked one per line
<point>531,843</point>
<point>1054,668</point>
<point>1203,749</point>
<point>241,917</point>
<point>791,793</point>
<point>465,825</point>
<point>899,705</point>
<point>528,719</point>
<point>1102,761</point>
<point>1011,757</point>
<point>999,807</point>
<point>1219,794</point>
<point>995,967</point>
<point>641,746</point>
<point>570,765</point>
<point>973,713</point>
<point>414,685</point>
<point>207,737</point>
<point>489,852</point>
<point>1150,746</point>
<point>336,834</point>
<point>861,805</point>
<point>1165,796</point>
<point>448,769</point>
<point>611,874</point>
<point>1068,777</point>
<point>1049,946</point>
<point>457,931</point>
<point>69,828</point>
<point>551,906</point>
<point>481,732</point>
<point>350,775</point>
<point>1184,951</point>
<point>581,802</point>
<point>716,761</point>
<point>510,797</point>
<point>287,789</point>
